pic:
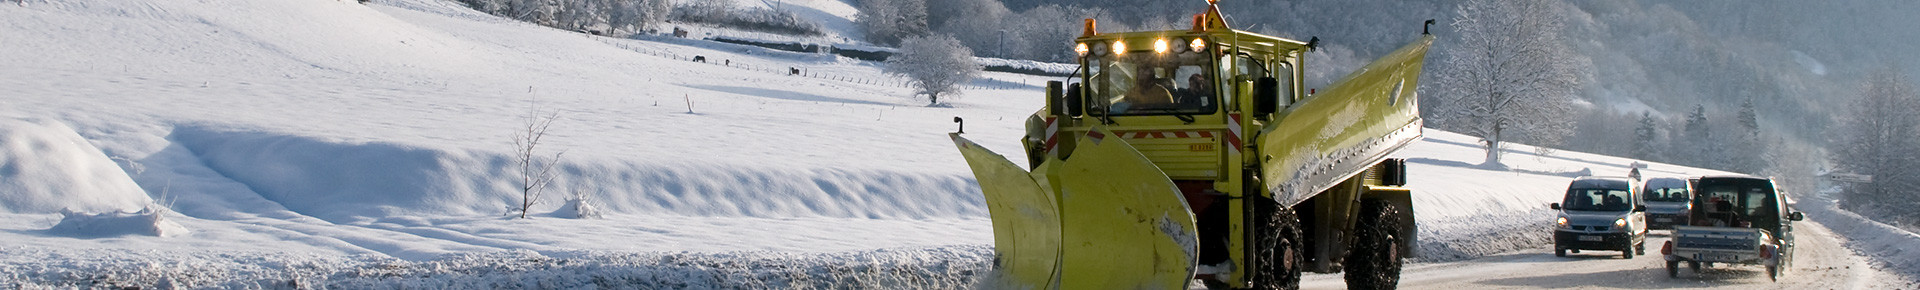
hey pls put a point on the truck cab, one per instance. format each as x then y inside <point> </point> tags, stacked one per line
<point>1736,219</point>
<point>1601,213</point>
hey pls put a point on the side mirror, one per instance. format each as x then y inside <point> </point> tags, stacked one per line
<point>1073,99</point>
<point>1053,99</point>
<point>1640,208</point>
<point>1796,216</point>
<point>1266,95</point>
<point>1553,205</point>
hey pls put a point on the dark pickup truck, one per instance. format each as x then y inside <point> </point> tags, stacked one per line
<point>1735,220</point>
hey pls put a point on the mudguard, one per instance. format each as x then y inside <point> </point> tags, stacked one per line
<point>1107,218</point>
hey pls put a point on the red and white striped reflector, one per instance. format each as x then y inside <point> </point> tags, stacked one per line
<point>1053,137</point>
<point>1164,134</point>
<point>1233,131</point>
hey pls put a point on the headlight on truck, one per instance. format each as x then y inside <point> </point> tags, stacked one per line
<point>1620,223</point>
<point>1561,222</point>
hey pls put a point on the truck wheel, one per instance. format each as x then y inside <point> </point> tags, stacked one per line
<point>1373,261</point>
<point>1673,269</point>
<point>1694,265</point>
<point>1559,252</point>
<point>1278,257</point>
<point>1626,254</point>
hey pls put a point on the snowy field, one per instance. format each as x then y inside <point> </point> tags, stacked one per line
<point>328,144</point>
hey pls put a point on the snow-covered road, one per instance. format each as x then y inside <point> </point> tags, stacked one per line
<point>1821,263</point>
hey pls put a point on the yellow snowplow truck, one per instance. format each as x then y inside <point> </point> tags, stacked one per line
<point>1197,154</point>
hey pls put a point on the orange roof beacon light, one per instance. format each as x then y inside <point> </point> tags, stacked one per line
<point>1088,32</point>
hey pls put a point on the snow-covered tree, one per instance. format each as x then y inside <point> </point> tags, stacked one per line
<point>1646,141</point>
<point>1745,153</point>
<point>935,65</point>
<point>1881,137</point>
<point>1699,146</point>
<point>888,22</point>
<point>1509,75</point>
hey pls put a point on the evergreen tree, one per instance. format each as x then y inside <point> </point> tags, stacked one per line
<point>1646,143</point>
<point>1700,148</point>
<point>1746,154</point>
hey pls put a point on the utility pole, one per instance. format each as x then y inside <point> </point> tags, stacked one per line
<point>1001,50</point>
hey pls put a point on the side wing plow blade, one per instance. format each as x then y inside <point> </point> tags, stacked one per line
<point>1026,219</point>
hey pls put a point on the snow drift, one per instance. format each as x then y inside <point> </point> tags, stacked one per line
<point>45,167</point>
<point>342,181</point>
<point>150,221</point>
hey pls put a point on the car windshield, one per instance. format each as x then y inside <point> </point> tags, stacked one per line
<point>1146,83</point>
<point>1666,194</point>
<point>1598,199</point>
<point>1666,190</point>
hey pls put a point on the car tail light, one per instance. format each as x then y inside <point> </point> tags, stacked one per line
<point>1667,249</point>
<point>1766,251</point>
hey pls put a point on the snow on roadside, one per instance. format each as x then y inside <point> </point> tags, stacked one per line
<point>954,267</point>
<point>1889,247</point>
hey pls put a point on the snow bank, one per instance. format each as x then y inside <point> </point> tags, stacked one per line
<point>1890,247</point>
<point>956,267</point>
<point>342,181</point>
<point>578,208</point>
<point>45,167</point>
<point>149,221</point>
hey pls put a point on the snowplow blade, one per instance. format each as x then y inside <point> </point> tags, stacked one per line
<point>1107,218</point>
<point>1026,219</point>
<point>1124,224</point>
<point>1329,137</point>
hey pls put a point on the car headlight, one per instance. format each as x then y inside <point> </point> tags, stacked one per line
<point>1620,223</point>
<point>1561,222</point>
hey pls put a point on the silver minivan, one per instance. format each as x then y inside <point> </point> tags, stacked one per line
<point>1601,213</point>
<point>1668,200</point>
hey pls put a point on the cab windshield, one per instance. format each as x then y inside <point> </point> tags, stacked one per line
<point>1147,83</point>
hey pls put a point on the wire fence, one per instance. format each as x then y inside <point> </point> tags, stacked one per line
<point>801,71</point>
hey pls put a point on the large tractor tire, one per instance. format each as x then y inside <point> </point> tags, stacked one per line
<point>1373,261</point>
<point>1278,249</point>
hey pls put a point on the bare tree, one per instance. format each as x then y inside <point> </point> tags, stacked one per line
<point>1879,139</point>
<point>934,64</point>
<point>536,171</point>
<point>1509,74</point>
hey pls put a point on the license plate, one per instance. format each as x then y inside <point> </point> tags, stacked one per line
<point>1663,220</point>
<point>1709,257</point>
<point>1592,238</point>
